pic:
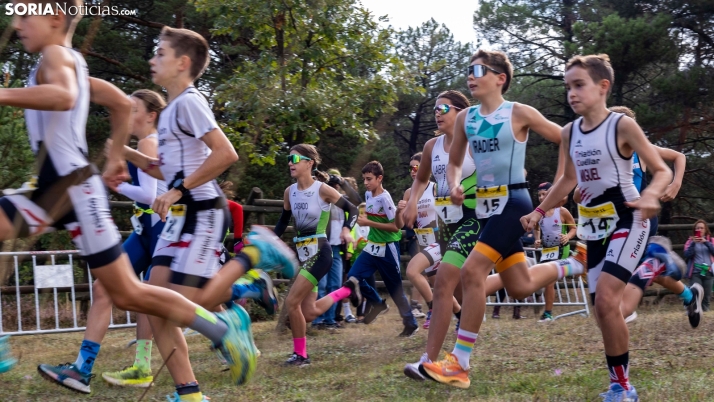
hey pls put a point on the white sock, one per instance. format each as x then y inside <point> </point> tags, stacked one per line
<point>569,267</point>
<point>464,344</point>
<point>346,310</point>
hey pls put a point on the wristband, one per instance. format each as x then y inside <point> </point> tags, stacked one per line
<point>540,211</point>
<point>152,165</point>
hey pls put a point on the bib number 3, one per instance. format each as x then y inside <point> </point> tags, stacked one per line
<point>306,249</point>
<point>174,223</point>
<point>598,222</point>
<point>448,212</point>
<point>490,201</point>
<point>375,249</point>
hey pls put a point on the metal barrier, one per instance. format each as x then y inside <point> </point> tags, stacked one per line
<point>569,292</point>
<point>57,277</point>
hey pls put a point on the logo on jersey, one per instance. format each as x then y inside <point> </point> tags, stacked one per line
<point>638,246</point>
<point>309,194</point>
<point>436,158</point>
<point>208,241</point>
<point>96,218</point>
<point>578,144</point>
<point>610,253</point>
<point>381,210</point>
<point>162,141</point>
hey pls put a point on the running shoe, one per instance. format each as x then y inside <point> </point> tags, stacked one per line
<point>411,370</point>
<point>267,299</point>
<point>517,313</point>
<point>417,314</point>
<point>660,247</point>
<point>274,254</point>
<point>427,322</point>
<point>237,345</point>
<point>176,398</point>
<point>7,362</point>
<point>631,317</point>
<point>350,319</point>
<point>409,331</point>
<point>694,308</point>
<point>496,312</point>
<point>352,284</point>
<point>618,394</point>
<point>374,310</point>
<point>447,371</point>
<point>581,254</point>
<point>129,377</point>
<point>68,376</point>
<point>546,317</point>
<point>297,360</point>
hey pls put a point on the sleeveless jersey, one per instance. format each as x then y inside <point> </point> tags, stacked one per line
<point>550,229</point>
<point>439,161</point>
<point>381,209</point>
<point>604,175</point>
<point>639,178</point>
<point>499,157</point>
<point>426,214</point>
<point>181,125</point>
<point>58,138</point>
<point>311,212</point>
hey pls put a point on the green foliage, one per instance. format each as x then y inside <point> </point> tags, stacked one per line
<point>16,158</point>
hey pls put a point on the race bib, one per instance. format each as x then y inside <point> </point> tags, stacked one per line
<point>425,236</point>
<point>490,201</point>
<point>549,253</point>
<point>174,223</point>
<point>375,249</point>
<point>306,248</point>
<point>598,222</point>
<point>138,227</point>
<point>448,212</point>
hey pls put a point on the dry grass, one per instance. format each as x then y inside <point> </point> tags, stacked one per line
<point>514,361</point>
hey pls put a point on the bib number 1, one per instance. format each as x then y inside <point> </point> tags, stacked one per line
<point>448,212</point>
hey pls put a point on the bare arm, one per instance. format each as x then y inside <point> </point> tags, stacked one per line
<point>680,164</point>
<point>421,181</point>
<point>57,88</point>
<point>456,159</point>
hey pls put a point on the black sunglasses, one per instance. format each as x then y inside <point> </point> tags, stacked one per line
<point>479,70</point>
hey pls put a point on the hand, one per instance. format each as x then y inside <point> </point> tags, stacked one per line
<point>363,221</point>
<point>564,239</point>
<point>457,195</point>
<point>401,205</point>
<point>670,192</point>
<point>530,221</point>
<point>115,172</point>
<point>346,237</point>
<point>647,204</point>
<point>698,239</point>
<point>409,215</point>
<point>536,244</point>
<point>348,256</point>
<point>163,202</point>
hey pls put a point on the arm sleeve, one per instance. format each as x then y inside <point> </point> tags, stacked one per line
<point>351,193</point>
<point>351,210</point>
<point>237,215</point>
<point>283,222</point>
<point>144,193</point>
<point>194,117</point>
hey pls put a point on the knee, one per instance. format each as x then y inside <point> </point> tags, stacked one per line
<point>607,304</point>
<point>412,272</point>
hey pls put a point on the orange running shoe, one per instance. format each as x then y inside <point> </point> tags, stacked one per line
<point>448,371</point>
<point>581,254</point>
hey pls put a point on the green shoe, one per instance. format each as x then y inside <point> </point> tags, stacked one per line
<point>237,345</point>
<point>129,377</point>
<point>7,362</point>
<point>68,376</point>
<point>274,254</point>
<point>176,398</point>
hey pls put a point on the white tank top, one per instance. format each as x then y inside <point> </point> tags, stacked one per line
<point>426,213</point>
<point>311,212</point>
<point>439,161</point>
<point>60,133</point>
<point>604,175</point>
<point>550,229</point>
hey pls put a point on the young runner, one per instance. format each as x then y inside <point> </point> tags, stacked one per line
<point>193,151</point>
<point>553,233</point>
<point>309,201</point>
<point>69,193</point>
<point>497,132</point>
<point>458,227</point>
<point>613,216</point>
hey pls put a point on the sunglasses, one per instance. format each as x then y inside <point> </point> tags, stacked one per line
<point>444,108</point>
<point>414,168</point>
<point>479,70</point>
<point>295,159</point>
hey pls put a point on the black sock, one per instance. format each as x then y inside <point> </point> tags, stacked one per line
<point>619,367</point>
<point>429,304</point>
<point>188,388</point>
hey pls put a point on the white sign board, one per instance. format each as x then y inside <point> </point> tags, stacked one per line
<point>53,276</point>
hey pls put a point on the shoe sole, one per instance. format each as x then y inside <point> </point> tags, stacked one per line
<point>271,306</point>
<point>356,291</point>
<point>694,310</point>
<point>413,372</point>
<point>51,377</point>
<point>445,380</point>
<point>376,316</point>
<point>127,383</point>
<point>269,236</point>
<point>631,317</point>
<point>403,335</point>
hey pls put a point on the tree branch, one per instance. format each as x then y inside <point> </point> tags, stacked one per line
<point>116,63</point>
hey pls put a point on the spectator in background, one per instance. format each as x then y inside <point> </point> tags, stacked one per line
<point>236,211</point>
<point>699,254</point>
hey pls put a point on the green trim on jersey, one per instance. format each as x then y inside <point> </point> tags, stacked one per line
<point>469,186</point>
<point>324,221</point>
<point>379,235</point>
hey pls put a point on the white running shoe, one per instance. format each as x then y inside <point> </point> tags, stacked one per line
<point>417,314</point>
<point>411,370</point>
<point>631,318</point>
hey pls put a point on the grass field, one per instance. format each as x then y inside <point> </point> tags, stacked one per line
<point>513,361</point>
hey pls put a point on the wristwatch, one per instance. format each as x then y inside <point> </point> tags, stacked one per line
<point>178,185</point>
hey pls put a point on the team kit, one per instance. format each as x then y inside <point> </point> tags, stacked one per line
<point>469,206</point>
